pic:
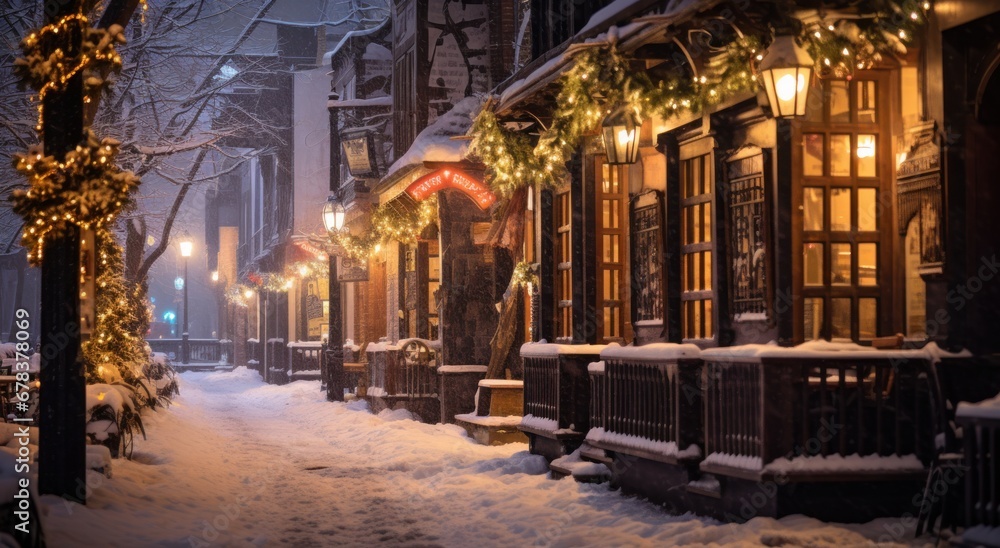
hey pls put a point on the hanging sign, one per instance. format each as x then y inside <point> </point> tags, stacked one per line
<point>423,187</point>
<point>353,270</point>
<point>358,152</point>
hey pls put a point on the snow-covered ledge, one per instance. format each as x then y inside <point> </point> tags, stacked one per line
<point>661,448</point>
<point>986,409</point>
<point>819,464</point>
<point>459,369</point>
<point>381,346</point>
<point>548,350</point>
<point>657,352</point>
<point>822,349</point>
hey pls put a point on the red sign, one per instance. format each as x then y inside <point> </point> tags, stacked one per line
<point>423,187</point>
<point>311,249</point>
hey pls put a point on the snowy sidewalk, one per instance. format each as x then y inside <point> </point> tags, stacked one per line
<point>235,462</point>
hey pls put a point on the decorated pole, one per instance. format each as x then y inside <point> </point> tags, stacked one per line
<point>74,188</point>
<point>62,398</point>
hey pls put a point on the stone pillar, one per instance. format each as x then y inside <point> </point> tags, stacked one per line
<point>468,313</point>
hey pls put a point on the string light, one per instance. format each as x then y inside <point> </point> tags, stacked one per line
<point>388,223</point>
<point>86,190</point>
<point>115,353</point>
<point>48,71</point>
<point>602,77</point>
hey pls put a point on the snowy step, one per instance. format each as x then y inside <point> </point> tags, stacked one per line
<point>580,469</point>
<point>492,430</point>
<point>500,398</point>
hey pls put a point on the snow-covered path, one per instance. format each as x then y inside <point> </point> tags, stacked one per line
<point>235,462</point>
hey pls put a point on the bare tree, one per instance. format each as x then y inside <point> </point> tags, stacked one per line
<point>170,105</point>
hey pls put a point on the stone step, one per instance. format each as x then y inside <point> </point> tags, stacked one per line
<point>492,430</point>
<point>500,398</point>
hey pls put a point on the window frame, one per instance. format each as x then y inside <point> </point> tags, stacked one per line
<point>637,242</point>
<point>622,265</point>
<point>884,290</point>
<point>766,175</point>
<point>709,324</point>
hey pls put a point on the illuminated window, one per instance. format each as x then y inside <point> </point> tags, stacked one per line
<point>563,220</point>
<point>612,196</point>
<point>841,177</point>
<point>696,248</point>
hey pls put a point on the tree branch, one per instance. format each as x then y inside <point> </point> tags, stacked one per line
<point>147,262</point>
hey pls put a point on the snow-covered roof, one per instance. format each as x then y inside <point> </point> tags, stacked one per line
<point>328,56</point>
<point>435,143</point>
<point>603,28</point>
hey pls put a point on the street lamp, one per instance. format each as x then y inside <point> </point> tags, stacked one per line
<point>786,70</point>
<point>333,215</point>
<point>621,137</point>
<point>333,221</point>
<point>187,246</point>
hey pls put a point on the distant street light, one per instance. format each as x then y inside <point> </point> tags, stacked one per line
<point>187,246</point>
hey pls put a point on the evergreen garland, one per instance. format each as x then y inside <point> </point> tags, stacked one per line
<point>403,225</point>
<point>603,78</point>
<point>85,188</point>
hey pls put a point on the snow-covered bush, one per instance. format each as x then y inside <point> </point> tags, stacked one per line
<point>161,376</point>
<point>113,417</point>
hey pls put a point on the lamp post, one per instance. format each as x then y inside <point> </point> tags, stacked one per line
<point>333,221</point>
<point>187,246</point>
<point>247,295</point>
<point>786,70</point>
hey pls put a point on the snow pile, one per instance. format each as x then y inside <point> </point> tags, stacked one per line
<point>99,459</point>
<point>114,396</point>
<point>235,462</point>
